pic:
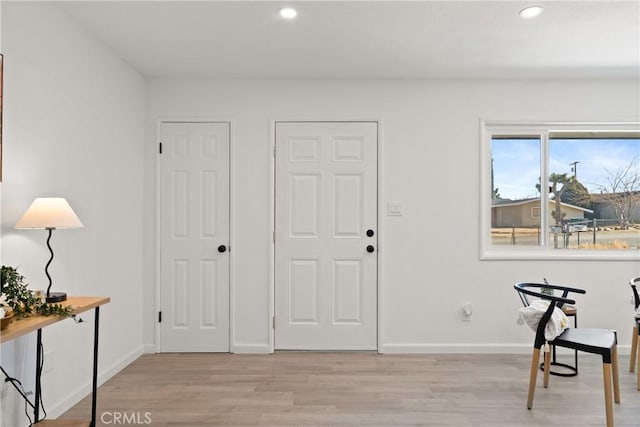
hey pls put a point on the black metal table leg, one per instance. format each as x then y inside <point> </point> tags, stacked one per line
<point>38,391</point>
<point>95,367</point>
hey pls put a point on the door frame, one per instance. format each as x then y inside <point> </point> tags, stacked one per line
<point>380,225</point>
<point>160,120</point>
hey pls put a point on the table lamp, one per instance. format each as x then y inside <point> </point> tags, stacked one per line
<point>49,213</point>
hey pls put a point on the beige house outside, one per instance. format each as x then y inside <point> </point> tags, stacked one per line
<point>526,212</point>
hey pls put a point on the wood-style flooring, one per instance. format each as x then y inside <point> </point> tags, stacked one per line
<point>355,389</point>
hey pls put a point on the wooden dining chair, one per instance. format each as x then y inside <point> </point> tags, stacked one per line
<point>595,341</point>
<point>635,339</point>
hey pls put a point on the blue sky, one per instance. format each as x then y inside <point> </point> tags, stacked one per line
<point>516,162</point>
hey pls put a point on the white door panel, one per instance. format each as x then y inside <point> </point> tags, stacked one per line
<point>194,222</point>
<point>326,200</point>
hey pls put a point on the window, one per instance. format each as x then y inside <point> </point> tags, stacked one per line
<point>560,190</point>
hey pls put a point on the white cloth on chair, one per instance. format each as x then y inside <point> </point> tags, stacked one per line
<point>532,314</point>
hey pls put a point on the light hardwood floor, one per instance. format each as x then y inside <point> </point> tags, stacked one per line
<point>356,389</point>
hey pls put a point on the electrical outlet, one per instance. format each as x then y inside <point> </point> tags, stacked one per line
<point>467,311</point>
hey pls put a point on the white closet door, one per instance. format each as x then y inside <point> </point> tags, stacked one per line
<point>194,224</point>
<point>326,236</point>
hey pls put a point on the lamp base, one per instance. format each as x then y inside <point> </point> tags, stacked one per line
<point>56,297</point>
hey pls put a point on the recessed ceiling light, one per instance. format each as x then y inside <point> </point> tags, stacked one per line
<point>288,13</point>
<point>531,12</point>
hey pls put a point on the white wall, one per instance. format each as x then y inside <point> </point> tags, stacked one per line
<point>74,127</point>
<point>430,160</point>
<point>75,124</point>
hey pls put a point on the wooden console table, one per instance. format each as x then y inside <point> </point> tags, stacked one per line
<point>24,326</point>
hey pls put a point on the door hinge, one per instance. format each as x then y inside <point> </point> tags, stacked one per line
<point>274,151</point>
<point>159,317</point>
<point>160,147</point>
<point>274,236</point>
<point>273,322</point>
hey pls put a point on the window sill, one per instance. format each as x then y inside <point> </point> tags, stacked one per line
<point>544,254</point>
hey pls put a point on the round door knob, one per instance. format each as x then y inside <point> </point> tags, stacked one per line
<point>222,248</point>
<point>370,248</point>
<point>370,233</point>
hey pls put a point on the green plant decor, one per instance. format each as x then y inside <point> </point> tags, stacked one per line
<point>22,301</point>
<point>550,292</point>
<point>545,290</point>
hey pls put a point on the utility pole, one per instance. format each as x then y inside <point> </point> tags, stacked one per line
<point>574,168</point>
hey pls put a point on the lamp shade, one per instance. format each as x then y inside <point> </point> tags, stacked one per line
<point>49,212</point>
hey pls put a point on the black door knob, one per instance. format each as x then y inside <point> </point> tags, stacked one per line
<point>222,248</point>
<point>370,248</point>
<point>370,233</point>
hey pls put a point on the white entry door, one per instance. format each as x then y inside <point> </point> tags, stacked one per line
<point>326,236</point>
<point>194,241</point>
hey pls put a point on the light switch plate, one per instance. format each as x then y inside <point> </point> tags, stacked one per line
<point>395,209</point>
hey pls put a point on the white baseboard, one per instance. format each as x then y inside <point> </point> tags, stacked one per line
<point>238,348</point>
<point>470,349</point>
<point>456,348</point>
<point>66,403</point>
<point>251,349</point>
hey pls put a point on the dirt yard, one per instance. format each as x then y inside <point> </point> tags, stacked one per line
<point>605,239</point>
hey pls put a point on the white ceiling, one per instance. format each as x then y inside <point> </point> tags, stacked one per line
<point>369,39</point>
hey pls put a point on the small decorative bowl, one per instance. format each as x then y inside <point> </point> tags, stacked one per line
<point>4,322</point>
